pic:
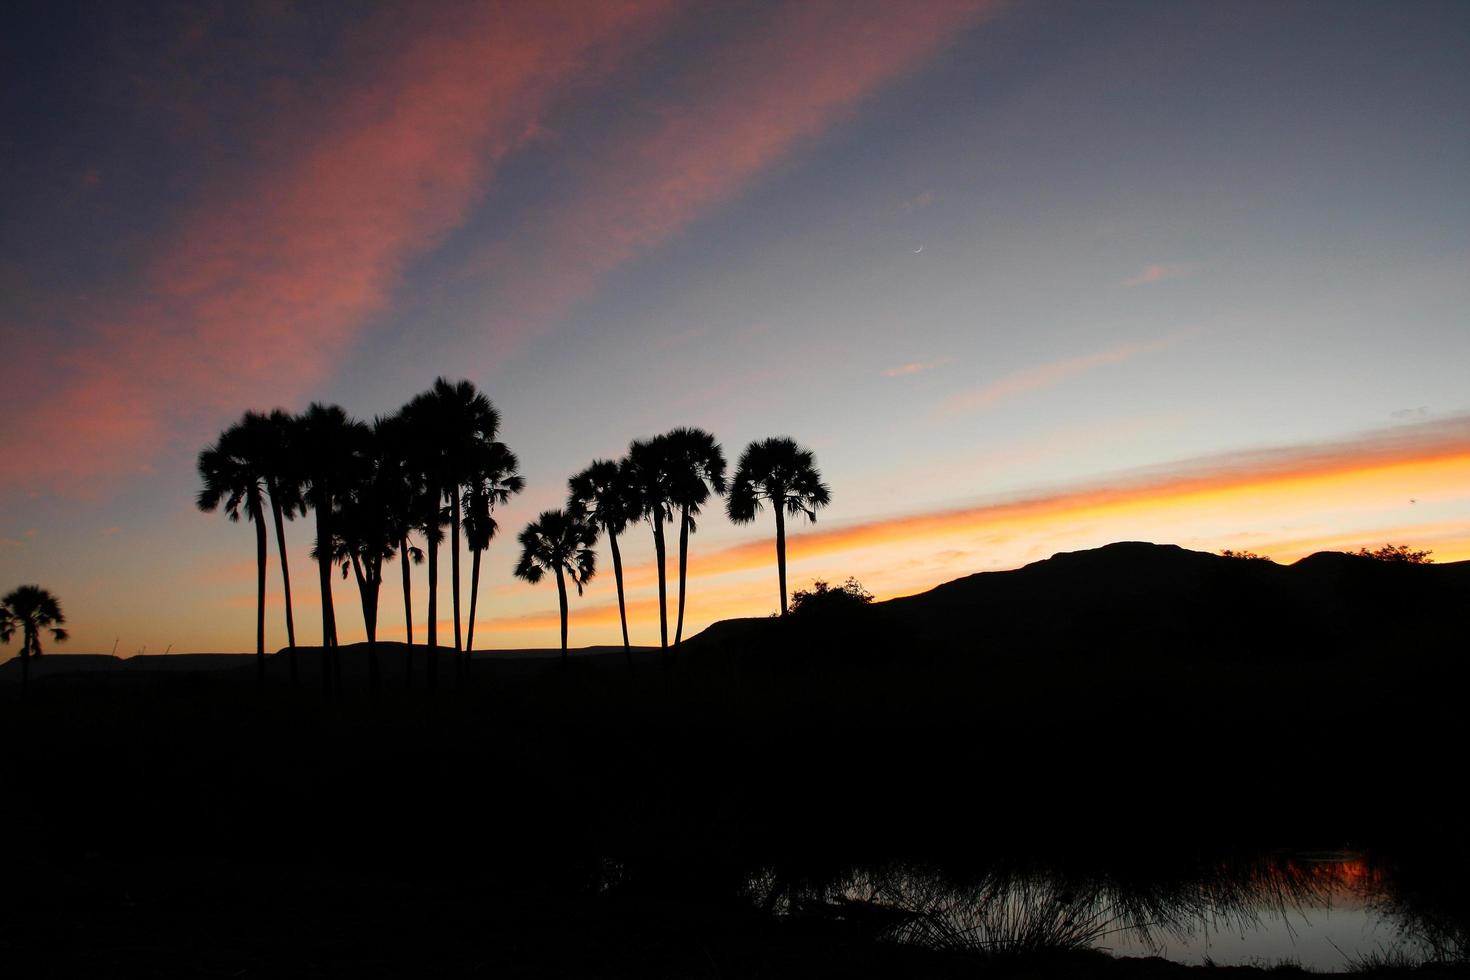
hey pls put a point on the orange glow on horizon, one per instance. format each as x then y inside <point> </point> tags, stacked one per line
<point>1303,501</point>
<point>1333,479</point>
<point>1284,504</point>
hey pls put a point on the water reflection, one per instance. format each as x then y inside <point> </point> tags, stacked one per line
<point>1322,911</point>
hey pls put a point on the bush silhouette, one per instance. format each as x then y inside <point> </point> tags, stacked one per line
<point>829,600</point>
<point>1398,552</point>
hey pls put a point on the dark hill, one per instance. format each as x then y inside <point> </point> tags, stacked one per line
<point>1131,597</point>
<point>1150,598</point>
<point>60,664</point>
<point>1133,700</point>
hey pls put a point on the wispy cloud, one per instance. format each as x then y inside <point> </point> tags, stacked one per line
<point>259,289</point>
<point>914,367</point>
<point>797,71</point>
<point>1161,271</point>
<point>1045,376</point>
<point>918,202</point>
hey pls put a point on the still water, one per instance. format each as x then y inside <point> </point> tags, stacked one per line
<point>1326,911</point>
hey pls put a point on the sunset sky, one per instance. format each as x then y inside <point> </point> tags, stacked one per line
<point>1027,277</point>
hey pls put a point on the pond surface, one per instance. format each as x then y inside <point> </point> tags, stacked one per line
<point>1325,911</point>
<point>1347,916</point>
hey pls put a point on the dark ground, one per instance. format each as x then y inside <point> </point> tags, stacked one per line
<point>1133,705</point>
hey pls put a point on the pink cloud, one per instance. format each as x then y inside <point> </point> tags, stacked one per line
<point>1160,271</point>
<point>255,292</point>
<point>753,103</point>
<point>918,202</point>
<point>1045,376</point>
<point>913,367</point>
<point>258,290</point>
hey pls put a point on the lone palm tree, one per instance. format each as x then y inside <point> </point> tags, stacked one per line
<point>234,473</point>
<point>560,543</point>
<point>650,468</point>
<point>31,610</point>
<point>494,480</point>
<point>330,446</point>
<point>779,472</point>
<point>606,493</point>
<point>697,471</point>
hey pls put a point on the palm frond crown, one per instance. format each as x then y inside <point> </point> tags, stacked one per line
<point>607,493</point>
<point>31,610</point>
<point>779,472</point>
<point>493,479</point>
<point>558,540</point>
<point>697,467</point>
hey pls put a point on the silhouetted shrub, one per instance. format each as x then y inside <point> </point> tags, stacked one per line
<point>1244,555</point>
<point>1398,552</point>
<point>828,600</point>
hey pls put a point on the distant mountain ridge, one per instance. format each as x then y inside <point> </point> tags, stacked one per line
<point>1131,594</point>
<point>1147,596</point>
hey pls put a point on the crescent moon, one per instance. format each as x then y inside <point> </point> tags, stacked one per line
<point>918,250</point>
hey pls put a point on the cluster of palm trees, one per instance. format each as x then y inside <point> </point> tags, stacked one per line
<point>436,469</point>
<point>667,479</point>
<point>30,611</point>
<point>434,466</point>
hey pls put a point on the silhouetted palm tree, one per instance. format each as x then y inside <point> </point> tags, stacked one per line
<point>606,493</point>
<point>30,610</point>
<point>234,473</point>
<point>8,624</point>
<point>283,484</point>
<point>329,446</point>
<point>365,529</point>
<point>408,507</point>
<point>650,468</point>
<point>494,479</point>
<point>560,543</point>
<point>698,469</point>
<point>780,472</point>
<point>449,420</point>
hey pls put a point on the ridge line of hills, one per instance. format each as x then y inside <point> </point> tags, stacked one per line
<point>1130,592</point>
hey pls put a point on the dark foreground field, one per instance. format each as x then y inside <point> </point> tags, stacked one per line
<point>1136,718</point>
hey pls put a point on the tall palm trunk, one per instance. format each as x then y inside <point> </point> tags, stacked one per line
<point>285,582</point>
<point>372,629</point>
<point>25,663</point>
<point>663,598</point>
<point>324,576</point>
<point>561,590</point>
<point>469,641</point>
<point>433,536</point>
<point>260,552</point>
<point>407,589</point>
<point>372,623</point>
<point>781,553</point>
<point>454,567</point>
<point>683,572</point>
<point>367,590</point>
<point>612,540</point>
<point>407,610</point>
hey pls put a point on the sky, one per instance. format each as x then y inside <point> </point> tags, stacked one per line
<point>1027,277</point>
